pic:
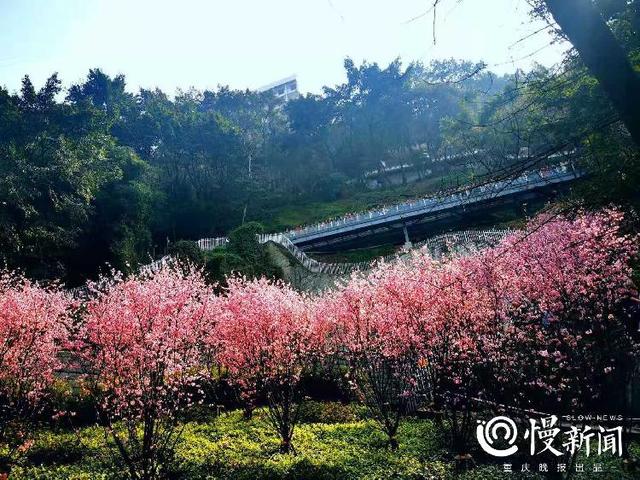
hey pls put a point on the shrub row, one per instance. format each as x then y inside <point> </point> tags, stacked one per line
<point>543,320</point>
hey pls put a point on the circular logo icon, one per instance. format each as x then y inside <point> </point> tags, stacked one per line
<point>498,428</point>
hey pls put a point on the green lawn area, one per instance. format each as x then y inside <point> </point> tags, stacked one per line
<point>229,447</point>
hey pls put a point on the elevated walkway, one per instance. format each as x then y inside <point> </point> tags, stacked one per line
<point>430,208</point>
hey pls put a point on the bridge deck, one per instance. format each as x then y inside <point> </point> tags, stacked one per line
<point>410,212</point>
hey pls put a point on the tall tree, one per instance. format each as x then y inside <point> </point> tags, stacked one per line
<point>584,25</point>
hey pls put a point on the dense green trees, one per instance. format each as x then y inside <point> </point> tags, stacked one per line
<point>54,172</point>
<point>102,174</point>
<point>584,24</point>
<point>105,175</point>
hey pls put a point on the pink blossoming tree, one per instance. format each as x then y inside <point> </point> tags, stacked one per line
<point>450,332</point>
<point>539,321</point>
<point>33,325</point>
<point>542,316</point>
<point>268,342</point>
<point>141,345</point>
<point>372,329</point>
<point>570,338</point>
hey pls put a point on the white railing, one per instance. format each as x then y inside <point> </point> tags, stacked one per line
<point>211,243</point>
<point>527,180</point>
<point>436,245</point>
<point>463,242</point>
<point>456,243</point>
<point>156,265</point>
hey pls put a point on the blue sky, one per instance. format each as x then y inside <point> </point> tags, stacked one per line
<point>249,43</point>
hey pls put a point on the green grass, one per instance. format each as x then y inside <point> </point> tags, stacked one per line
<point>229,447</point>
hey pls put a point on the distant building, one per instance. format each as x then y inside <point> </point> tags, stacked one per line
<point>285,89</point>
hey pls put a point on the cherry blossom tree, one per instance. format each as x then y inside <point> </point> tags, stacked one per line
<point>450,331</point>
<point>570,335</point>
<point>141,344</point>
<point>539,321</point>
<point>268,341</point>
<point>540,316</point>
<point>373,330</point>
<point>33,325</point>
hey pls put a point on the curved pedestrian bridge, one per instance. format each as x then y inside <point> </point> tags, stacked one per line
<point>428,208</point>
<point>295,241</point>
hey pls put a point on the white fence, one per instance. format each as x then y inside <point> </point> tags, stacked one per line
<point>211,243</point>
<point>447,243</point>
<point>156,265</point>
<point>462,242</point>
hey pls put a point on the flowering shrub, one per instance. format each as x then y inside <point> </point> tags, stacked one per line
<point>542,320</point>
<point>371,329</point>
<point>451,330</point>
<point>141,346</point>
<point>33,324</point>
<point>570,337</point>
<point>540,317</point>
<point>268,340</point>
<point>539,321</point>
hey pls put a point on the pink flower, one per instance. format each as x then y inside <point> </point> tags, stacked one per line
<point>33,325</point>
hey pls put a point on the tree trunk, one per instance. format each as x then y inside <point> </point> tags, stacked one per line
<point>247,411</point>
<point>586,29</point>
<point>285,445</point>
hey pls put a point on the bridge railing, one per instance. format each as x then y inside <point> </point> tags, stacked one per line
<point>467,241</point>
<point>469,195</point>
<point>207,244</point>
<point>438,246</point>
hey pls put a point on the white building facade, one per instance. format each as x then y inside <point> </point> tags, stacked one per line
<point>285,89</point>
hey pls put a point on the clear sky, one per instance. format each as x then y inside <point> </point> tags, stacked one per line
<point>249,43</point>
